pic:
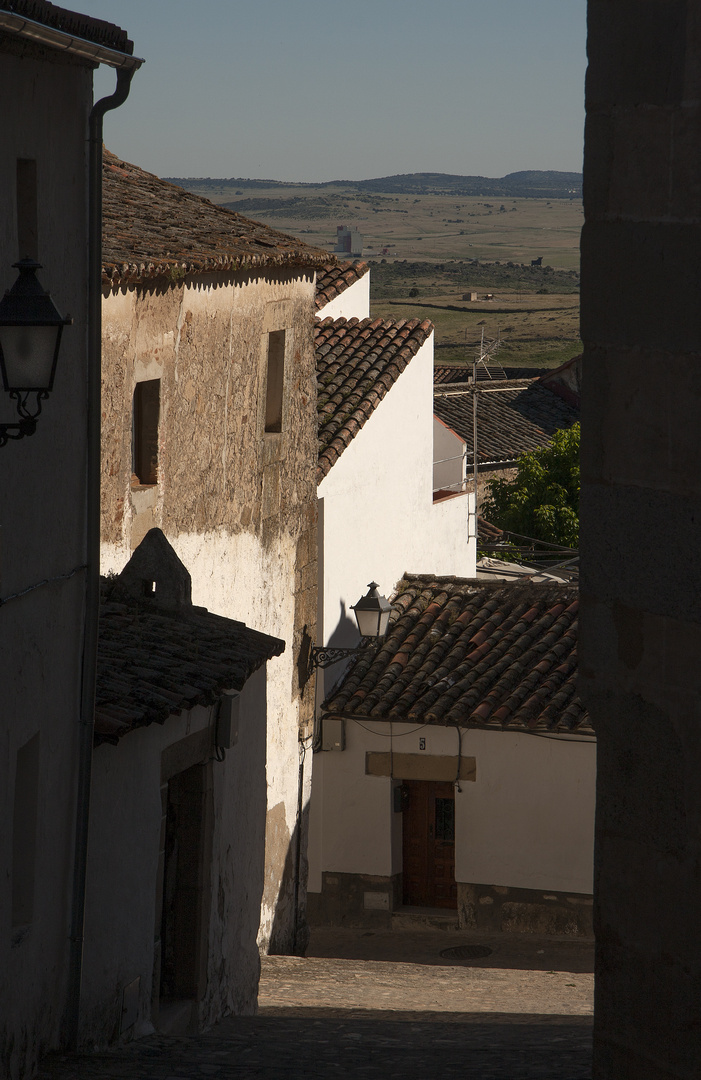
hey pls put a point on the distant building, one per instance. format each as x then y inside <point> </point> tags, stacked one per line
<point>348,241</point>
<point>469,296</point>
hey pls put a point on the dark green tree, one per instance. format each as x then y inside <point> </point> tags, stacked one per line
<point>542,501</point>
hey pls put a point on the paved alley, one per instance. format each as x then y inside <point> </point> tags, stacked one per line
<point>387,1005</point>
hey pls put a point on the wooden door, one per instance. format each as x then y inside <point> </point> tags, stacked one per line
<point>428,844</point>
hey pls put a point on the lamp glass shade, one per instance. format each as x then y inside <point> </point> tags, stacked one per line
<point>372,613</point>
<point>30,332</point>
<point>29,356</point>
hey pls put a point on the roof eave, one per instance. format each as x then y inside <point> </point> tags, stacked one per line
<point>30,30</point>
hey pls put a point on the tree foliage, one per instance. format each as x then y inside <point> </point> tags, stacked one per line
<point>542,501</point>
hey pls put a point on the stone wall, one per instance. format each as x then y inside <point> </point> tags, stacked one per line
<point>641,505</point>
<point>237,502</point>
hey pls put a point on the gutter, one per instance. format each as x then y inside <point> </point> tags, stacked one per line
<point>92,590</point>
<point>30,30</point>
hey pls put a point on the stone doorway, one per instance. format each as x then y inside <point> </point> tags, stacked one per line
<point>182,924</point>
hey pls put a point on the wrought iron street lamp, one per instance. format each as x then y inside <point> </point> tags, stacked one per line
<point>372,613</point>
<point>30,338</point>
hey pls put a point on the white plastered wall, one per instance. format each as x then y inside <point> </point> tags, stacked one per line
<point>352,303</point>
<point>121,918</point>
<point>377,518</point>
<point>527,821</point>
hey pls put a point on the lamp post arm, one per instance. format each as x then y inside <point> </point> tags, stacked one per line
<point>28,417</point>
<point>323,656</point>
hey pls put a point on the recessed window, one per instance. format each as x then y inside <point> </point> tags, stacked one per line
<point>147,405</point>
<point>275,381</point>
<point>24,832</point>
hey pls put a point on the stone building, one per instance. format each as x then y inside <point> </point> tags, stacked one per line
<point>48,623</point>
<point>641,596</point>
<point>209,433</point>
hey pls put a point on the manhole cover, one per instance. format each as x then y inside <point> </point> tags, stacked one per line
<point>466,952</point>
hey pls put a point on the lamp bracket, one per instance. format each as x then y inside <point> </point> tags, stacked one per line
<point>323,656</point>
<point>28,416</point>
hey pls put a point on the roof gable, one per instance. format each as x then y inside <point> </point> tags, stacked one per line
<point>469,653</point>
<point>357,362</point>
<point>331,281</point>
<point>157,654</point>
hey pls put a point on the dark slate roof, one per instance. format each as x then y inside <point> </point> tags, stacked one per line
<point>331,281</point>
<point>151,228</point>
<point>472,653</point>
<point>154,661</point>
<point>357,362</point>
<point>513,416</point>
<point>71,22</point>
<point>454,374</point>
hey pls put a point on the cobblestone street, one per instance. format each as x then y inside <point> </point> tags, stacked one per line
<point>387,1005</point>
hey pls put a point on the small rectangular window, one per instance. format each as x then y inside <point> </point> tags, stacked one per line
<point>24,832</point>
<point>147,398</point>
<point>275,380</point>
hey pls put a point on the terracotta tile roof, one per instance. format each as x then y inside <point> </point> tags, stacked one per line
<point>154,660</point>
<point>154,229</point>
<point>357,362</point>
<point>71,22</point>
<point>472,654</point>
<point>331,281</point>
<point>521,415</point>
<point>487,531</point>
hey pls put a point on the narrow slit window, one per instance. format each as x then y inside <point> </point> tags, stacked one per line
<point>275,381</point>
<point>24,832</point>
<point>147,404</point>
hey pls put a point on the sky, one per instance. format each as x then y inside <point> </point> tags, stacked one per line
<point>305,90</point>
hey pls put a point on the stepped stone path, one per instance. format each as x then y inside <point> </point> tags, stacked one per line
<point>387,1005</point>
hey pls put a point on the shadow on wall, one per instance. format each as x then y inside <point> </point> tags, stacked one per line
<point>289,935</point>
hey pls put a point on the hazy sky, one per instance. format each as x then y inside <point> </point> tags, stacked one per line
<point>312,90</point>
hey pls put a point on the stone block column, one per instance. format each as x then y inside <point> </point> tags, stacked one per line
<point>640,659</point>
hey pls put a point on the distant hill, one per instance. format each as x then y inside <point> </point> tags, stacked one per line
<point>531,184</point>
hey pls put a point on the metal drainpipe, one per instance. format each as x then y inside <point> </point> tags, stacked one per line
<point>298,851</point>
<point>92,589</point>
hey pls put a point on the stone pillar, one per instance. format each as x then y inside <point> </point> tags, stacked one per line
<point>640,658</point>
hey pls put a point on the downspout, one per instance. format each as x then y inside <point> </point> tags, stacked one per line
<point>92,590</point>
<point>299,940</point>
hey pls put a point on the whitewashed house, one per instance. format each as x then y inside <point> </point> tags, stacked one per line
<point>514,416</point>
<point>176,862</point>
<point>378,516</point>
<point>378,512</point>
<point>460,769</point>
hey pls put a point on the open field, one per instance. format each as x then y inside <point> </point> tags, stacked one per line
<point>535,312</point>
<point>436,246</point>
<point>415,226</point>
